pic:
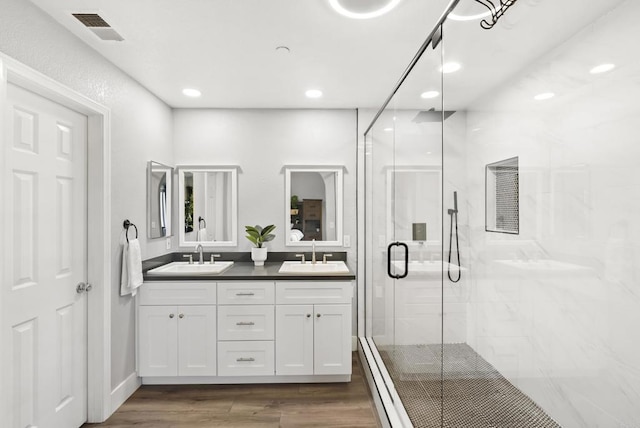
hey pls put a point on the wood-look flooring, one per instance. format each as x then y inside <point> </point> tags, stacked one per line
<point>250,406</point>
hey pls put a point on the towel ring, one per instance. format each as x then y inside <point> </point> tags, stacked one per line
<point>126,224</point>
<point>201,220</point>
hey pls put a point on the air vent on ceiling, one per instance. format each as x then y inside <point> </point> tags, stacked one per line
<point>98,26</point>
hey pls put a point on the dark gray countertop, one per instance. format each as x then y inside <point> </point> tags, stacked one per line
<point>242,269</point>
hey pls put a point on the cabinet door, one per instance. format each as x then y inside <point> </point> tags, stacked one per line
<point>197,341</point>
<point>158,341</point>
<point>332,339</point>
<point>294,339</point>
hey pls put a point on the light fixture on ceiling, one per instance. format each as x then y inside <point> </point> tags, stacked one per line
<point>469,17</point>
<point>191,92</point>
<point>602,68</point>
<point>388,129</point>
<point>429,94</point>
<point>544,96</point>
<point>313,93</point>
<point>353,8</point>
<point>451,67</point>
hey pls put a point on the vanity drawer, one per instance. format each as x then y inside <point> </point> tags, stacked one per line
<point>246,293</point>
<point>177,293</point>
<point>251,322</point>
<point>246,358</point>
<point>312,292</point>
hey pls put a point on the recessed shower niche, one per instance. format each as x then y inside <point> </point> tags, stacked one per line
<point>502,197</point>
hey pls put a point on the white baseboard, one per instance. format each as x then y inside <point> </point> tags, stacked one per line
<point>122,392</point>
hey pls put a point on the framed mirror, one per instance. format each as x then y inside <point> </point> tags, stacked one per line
<point>313,205</point>
<point>159,189</point>
<point>208,205</point>
<point>414,198</point>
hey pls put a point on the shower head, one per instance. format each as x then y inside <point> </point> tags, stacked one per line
<point>455,204</point>
<point>431,115</point>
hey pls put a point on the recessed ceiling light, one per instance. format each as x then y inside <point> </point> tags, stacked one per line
<point>451,67</point>
<point>544,96</point>
<point>429,94</point>
<point>602,68</point>
<point>313,93</point>
<point>388,129</point>
<point>339,7</point>
<point>190,92</point>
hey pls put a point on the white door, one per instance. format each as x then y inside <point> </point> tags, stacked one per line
<point>44,319</point>
<point>332,339</point>
<point>294,339</point>
<point>197,341</point>
<point>158,341</point>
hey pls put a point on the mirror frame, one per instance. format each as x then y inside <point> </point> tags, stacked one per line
<point>339,171</point>
<point>234,203</point>
<point>169,197</point>
<point>391,172</point>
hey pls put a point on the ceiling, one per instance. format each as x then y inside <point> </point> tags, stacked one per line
<point>227,48</point>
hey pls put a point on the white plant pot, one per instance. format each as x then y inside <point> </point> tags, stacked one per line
<point>259,255</point>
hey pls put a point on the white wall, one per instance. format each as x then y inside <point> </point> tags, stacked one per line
<point>141,131</point>
<point>557,307</point>
<point>262,142</point>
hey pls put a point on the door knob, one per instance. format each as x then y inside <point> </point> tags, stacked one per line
<point>82,287</point>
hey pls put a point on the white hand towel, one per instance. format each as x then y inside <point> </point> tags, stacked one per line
<point>134,265</point>
<point>202,234</point>
<point>124,278</point>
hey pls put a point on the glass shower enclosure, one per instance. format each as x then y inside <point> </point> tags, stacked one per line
<point>501,238</point>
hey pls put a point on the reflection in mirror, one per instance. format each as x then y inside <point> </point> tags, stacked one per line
<point>159,178</point>
<point>414,201</point>
<point>208,205</point>
<point>314,205</point>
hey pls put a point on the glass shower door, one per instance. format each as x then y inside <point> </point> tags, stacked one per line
<point>404,250</point>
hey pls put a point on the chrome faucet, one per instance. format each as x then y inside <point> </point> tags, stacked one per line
<point>313,251</point>
<point>199,250</point>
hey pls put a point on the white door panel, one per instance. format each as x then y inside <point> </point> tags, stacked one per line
<point>44,335</point>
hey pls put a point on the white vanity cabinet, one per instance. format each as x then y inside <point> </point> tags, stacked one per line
<point>246,328</point>
<point>313,328</point>
<point>253,331</point>
<point>177,329</point>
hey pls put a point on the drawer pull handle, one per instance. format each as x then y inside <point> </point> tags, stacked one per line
<point>245,360</point>
<point>245,323</point>
<point>245,294</point>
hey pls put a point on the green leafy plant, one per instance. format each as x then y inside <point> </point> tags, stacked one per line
<point>294,202</point>
<point>259,235</point>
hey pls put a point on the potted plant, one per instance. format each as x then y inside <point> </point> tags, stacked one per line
<point>258,236</point>
<point>294,205</point>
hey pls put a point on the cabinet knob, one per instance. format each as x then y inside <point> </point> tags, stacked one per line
<point>171,315</point>
<point>181,316</point>
<point>318,315</point>
<point>308,315</point>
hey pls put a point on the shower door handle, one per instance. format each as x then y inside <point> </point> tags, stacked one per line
<point>406,260</point>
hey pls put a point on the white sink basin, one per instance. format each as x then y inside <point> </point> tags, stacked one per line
<point>184,268</point>
<point>308,268</point>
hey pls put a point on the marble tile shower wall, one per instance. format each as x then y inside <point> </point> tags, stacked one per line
<point>556,309</point>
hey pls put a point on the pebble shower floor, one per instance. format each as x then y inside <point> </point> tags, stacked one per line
<point>476,395</point>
